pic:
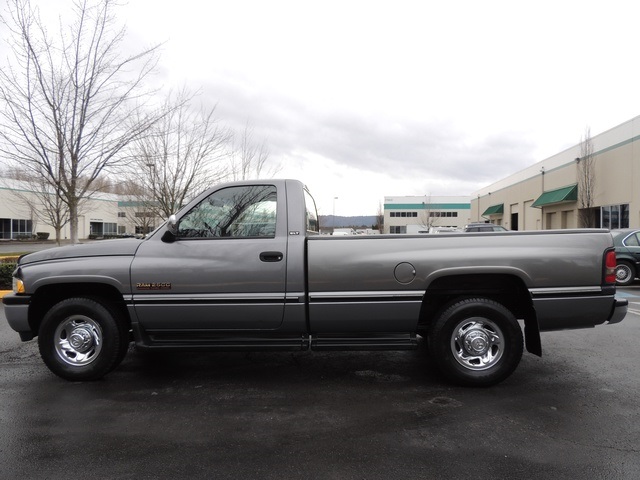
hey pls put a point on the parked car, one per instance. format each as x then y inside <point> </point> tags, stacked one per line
<point>433,230</point>
<point>627,243</point>
<point>484,227</point>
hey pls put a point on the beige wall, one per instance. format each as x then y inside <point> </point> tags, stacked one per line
<point>617,173</point>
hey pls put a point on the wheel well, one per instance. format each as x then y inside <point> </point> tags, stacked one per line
<point>626,261</point>
<point>508,290</point>
<point>47,296</point>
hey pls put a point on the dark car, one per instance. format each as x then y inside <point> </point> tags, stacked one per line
<point>484,227</point>
<point>627,243</point>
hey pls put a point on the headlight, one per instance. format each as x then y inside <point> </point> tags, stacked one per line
<point>18,285</point>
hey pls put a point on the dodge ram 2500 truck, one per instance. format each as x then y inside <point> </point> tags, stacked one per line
<point>242,267</point>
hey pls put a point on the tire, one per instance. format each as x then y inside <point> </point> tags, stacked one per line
<point>625,273</point>
<point>82,339</point>
<point>476,342</point>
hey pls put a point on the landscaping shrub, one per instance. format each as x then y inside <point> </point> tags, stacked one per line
<point>6,269</point>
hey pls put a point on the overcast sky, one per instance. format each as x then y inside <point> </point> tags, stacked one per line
<point>362,99</point>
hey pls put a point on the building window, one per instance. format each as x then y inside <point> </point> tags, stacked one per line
<point>122,214</point>
<point>443,214</point>
<point>21,228</point>
<point>110,229</point>
<point>403,214</point>
<point>398,229</point>
<point>614,216</point>
<point>143,214</point>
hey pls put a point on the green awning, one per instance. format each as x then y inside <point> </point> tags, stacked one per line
<point>560,195</point>
<point>494,210</point>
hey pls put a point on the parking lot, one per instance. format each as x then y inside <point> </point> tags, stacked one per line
<point>377,415</point>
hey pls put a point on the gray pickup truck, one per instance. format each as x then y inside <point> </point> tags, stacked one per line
<point>242,267</point>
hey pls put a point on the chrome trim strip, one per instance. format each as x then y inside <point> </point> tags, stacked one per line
<point>367,294</point>
<point>209,296</point>
<point>564,290</point>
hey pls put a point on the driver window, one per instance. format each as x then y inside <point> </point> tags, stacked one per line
<point>234,212</point>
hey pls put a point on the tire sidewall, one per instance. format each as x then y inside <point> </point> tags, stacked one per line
<point>443,329</point>
<point>108,356</point>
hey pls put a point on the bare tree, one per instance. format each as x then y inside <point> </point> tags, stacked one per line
<point>248,159</point>
<point>427,217</point>
<point>180,156</point>
<point>380,218</point>
<point>137,206</point>
<point>586,181</point>
<point>68,103</point>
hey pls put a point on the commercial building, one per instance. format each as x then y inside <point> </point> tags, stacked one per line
<point>551,194</point>
<point>413,214</point>
<point>23,214</point>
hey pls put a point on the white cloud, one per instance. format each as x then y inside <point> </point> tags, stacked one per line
<point>362,99</point>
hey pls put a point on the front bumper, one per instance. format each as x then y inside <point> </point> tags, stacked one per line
<point>16,309</point>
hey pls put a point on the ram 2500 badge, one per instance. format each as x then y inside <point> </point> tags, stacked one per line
<point>242,267</point>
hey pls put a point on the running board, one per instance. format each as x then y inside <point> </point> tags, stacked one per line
<point>167,340</point>
<point>381,341</point>
<point>259,341</point>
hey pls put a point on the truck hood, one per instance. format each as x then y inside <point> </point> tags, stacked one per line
<point>98,249</point>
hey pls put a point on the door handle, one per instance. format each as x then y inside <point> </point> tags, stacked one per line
<point>271,256</point>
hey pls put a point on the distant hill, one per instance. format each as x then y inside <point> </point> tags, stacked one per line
<point>330,221</point>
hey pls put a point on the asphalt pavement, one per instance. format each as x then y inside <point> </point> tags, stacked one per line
<point>329,415</point>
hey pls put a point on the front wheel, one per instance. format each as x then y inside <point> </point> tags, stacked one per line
<point>476,342</point>
<point>81,339</point>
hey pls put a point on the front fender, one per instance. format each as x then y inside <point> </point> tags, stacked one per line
<point>113,271</point>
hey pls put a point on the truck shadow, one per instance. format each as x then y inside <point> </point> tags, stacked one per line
<point>281,367</point>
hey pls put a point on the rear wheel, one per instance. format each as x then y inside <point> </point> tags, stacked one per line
<point>82,339</point>
<point>476,342</point>
<point>625,273</point>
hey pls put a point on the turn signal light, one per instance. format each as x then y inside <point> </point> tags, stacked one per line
<point>18,285</point>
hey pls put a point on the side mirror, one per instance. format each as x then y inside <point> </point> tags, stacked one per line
<point>172,225</point>
<point>172,230</point>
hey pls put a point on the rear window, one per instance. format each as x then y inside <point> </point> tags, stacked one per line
<point>311,214</point>
<point>632,240</point>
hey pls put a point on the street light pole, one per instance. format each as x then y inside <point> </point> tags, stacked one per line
<point>147,219</point>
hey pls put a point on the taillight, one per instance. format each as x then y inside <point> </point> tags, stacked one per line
<point>610,267</point>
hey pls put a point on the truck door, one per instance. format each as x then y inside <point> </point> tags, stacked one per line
<point>226,269</point>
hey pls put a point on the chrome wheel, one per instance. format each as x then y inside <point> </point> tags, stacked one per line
<point>78,340</point>
<point>477,343</point>
<point>624,274</point>
<point>83,338</point>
